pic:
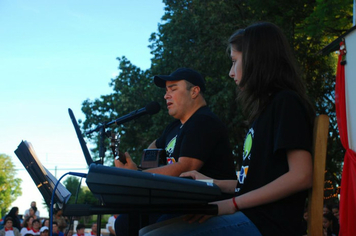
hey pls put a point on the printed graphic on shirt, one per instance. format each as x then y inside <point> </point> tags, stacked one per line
<point>246,156</point>
<point>170,160</point>
<point>248,144</point>
<point>243,174</point>
<point>170,150</point>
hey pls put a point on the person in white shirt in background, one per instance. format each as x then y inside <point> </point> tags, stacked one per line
<point>8,230</point>
<point>27,212</point>
<point>27,225</point>
<point>36,226</point>
<point>81,230</point>
<point>94,230</point>
<point>110,226</point>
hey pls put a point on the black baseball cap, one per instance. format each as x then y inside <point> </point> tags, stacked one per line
<point>187,74</point>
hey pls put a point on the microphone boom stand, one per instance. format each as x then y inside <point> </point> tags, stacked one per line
<point>102,151</point>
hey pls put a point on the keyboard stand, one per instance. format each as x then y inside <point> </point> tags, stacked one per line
<point>137,213</point>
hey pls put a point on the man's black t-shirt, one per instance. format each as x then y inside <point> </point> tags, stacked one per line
<point>203,136</point>
<point>282,126</point>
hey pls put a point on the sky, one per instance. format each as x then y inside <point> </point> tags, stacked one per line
<point>53,56</point>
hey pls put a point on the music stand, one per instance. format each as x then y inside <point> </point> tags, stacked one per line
<point>43,179</point>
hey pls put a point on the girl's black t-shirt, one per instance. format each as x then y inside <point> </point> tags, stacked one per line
<point>282,126</point>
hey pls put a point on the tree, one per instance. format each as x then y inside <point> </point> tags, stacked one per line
<point>10,187</point>
<point>309,26</point>
<point>80,194</point>
<point>133,89</point>
<point>194,34</point>
<point>327,21</point>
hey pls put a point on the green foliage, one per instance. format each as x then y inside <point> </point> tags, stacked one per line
<point>10,187</point>
<point>329,19</point>
<point>81,195</point>
<point>194,34</point>
<point>133,89</point>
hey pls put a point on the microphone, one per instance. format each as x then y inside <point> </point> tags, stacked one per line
<point>151,109</point>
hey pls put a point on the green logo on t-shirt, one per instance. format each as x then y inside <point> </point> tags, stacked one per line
<point>170,150</point>
<point>248,144</point>
<point>246,156</point>
<point>170,146</point>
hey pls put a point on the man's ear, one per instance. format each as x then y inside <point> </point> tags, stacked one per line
<point>195,92</point>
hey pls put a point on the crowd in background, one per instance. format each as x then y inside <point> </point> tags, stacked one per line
<point>31,224</point>
<point>331,225</point>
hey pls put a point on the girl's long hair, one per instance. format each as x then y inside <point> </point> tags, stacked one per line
<point>268,66</point>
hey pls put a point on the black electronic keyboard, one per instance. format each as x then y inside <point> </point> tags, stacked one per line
<point>116,186</point>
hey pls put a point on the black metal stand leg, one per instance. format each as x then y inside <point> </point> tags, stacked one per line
<point>98,223</point>
<point>134,224</point>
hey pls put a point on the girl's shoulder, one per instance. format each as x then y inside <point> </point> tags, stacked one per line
<point>286,98</point>
<point>282,94</point>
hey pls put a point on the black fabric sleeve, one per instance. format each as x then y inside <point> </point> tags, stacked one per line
<point>200,139</point>
<point>291,127</point>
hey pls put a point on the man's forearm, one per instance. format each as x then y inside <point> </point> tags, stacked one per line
<point>152,145</point>
<point>182,165</point>
<point>174,169</point>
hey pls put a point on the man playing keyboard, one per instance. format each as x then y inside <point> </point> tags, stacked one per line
<point>196,140</point>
